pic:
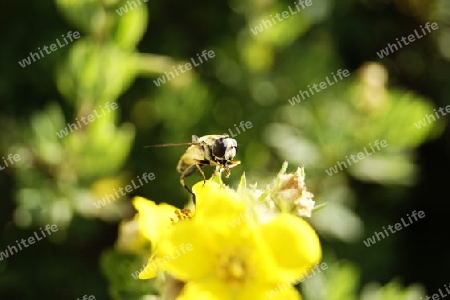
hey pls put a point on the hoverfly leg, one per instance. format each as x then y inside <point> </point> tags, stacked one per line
<point>217,170</point>
<point>233,163</point>
<point>188,172</point>
<point>218,166</point>
<point>203,174</point>
<point>188,189</point>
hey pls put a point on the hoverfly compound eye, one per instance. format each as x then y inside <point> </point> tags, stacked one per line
<point>219,148</point>
<point>231,146</point>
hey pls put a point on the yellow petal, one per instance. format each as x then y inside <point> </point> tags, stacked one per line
<point>205,290</point>
<point>154,219</point>
<point>185,251</point>
<point>221,216</point>
<point>263,292</point>
<point>294,247</point>
<point>218,200</point>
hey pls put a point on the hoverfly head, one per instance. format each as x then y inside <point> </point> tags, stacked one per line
<point>224,148</point>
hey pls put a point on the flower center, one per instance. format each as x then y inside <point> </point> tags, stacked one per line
<point>232,267</point>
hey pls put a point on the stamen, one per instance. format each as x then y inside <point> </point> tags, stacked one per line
<point>232,266</point>
<point>182,214</point>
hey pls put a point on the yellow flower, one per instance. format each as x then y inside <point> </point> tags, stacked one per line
<point>154,221</point>
<point>246,261</point>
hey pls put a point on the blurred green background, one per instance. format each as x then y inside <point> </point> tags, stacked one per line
<point>118,58</point>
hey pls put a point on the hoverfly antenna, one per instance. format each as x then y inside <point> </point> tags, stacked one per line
<point>170,145</point>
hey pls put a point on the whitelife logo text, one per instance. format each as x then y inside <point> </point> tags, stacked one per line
<point>86,120</point>
<point>440,295</point>
<point>164,260</point>
<point>187,66</point>
<point>318,87</point>
<point>281,16</point>
<point>124,9</point>
<point>85,297</point>
<point>108,198</point>
<point>378,236</point>
<point>431,118</point>
<point>356,158</point>
<point>283,287</point>
<point>391,48</point>
<point>243,126</point>
<point>48,228</point>
<point>11,158</point>
<point>27,61</point>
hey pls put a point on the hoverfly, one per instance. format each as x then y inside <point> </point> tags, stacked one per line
<point>208,150</point>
